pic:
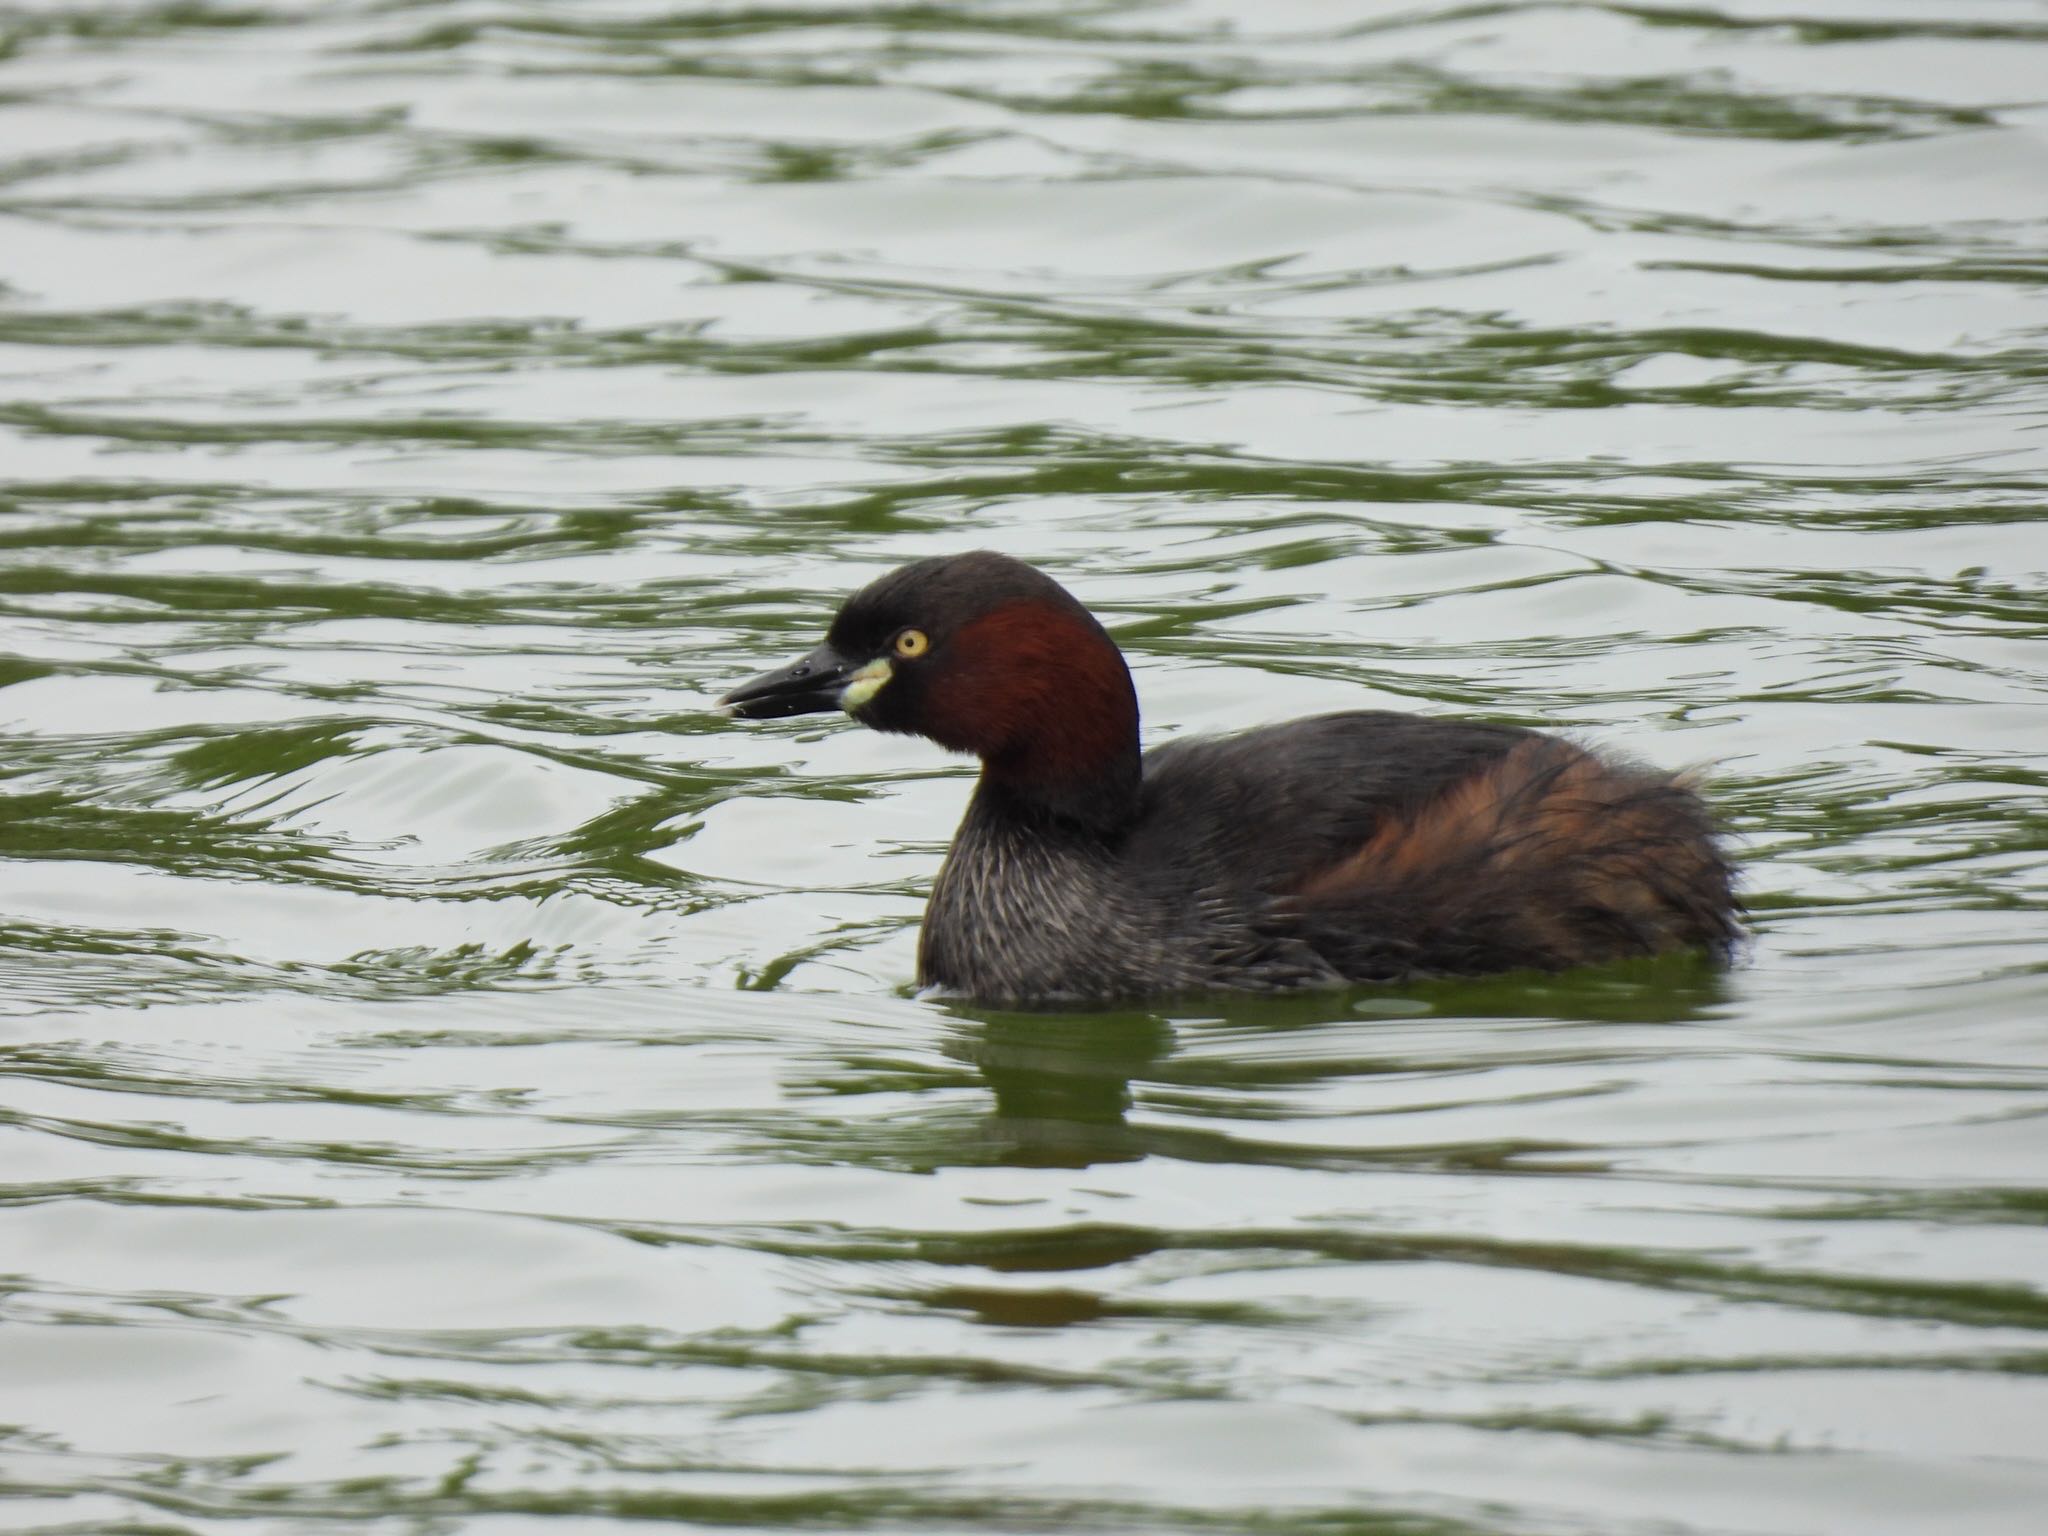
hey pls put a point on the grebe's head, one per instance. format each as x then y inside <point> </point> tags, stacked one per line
<point>981,654</point>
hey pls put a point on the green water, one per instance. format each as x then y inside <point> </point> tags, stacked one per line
<point>453,1082</point>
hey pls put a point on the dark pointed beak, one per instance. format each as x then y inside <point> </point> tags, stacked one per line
<point>804,687</point>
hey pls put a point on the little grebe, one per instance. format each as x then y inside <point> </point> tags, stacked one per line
<point>1365,846</point>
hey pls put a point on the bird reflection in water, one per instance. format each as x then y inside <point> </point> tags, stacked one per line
<point>1062,1085</point>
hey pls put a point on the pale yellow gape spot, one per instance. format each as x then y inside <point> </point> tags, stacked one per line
<point>869,680</point>
<point>865,684</point>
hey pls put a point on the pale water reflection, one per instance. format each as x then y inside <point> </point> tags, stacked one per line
<point>453,1081</point>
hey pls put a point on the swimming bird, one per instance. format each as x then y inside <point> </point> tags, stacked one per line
<point>1363,846</point>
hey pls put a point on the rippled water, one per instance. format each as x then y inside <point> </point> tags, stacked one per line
<point>454,1082</point>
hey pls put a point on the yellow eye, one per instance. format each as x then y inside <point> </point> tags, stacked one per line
<point>912,644</point>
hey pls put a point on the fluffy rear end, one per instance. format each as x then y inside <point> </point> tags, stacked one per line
<point>1549,857</point>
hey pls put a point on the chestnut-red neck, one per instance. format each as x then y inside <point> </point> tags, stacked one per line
<point>1041,694</point>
